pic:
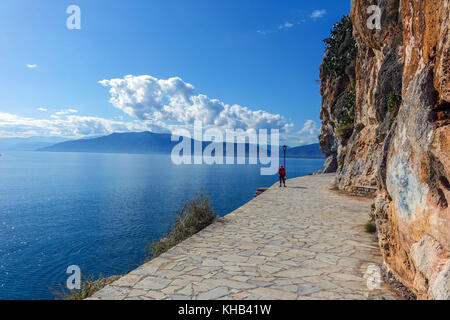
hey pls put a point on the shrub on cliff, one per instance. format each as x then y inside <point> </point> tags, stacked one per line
<point>89,286</point>
<point>341,50</point>
<point>347,118</point>
<point>394,100</point>
<point>195,215</point>
<point>344,130</point>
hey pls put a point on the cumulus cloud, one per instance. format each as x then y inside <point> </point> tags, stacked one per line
<point>309,127</point>
<point>31,66</point>
<point>318,13</point>
<point>309,133</point>
<point>146,97</point>
<point>157,105</point>
<point>71,126</point>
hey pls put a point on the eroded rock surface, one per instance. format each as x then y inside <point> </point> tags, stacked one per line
<point>400,138</point>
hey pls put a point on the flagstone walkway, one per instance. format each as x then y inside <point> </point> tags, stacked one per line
<point>300,242</point>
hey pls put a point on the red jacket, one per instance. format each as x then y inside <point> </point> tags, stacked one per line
<point>282,172</point>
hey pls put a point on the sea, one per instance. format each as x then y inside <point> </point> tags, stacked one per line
<point>98,211</point>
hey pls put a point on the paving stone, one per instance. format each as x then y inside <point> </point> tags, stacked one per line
<point>170,290</point>
<point>180,297</point>
<point>113,293</point>
<point>213,294</point>
<point>297,272</point>
<point>186,290</point>
<point>260,283</point>
<point>152,283</point>
<point>233,258</point>
<point>128,280</point>
<point>157,295</point>
<point>305,289</point>
<point>212,263</point>
<point>346,277</point>
<point>273,294</point>
<point>240,295</point>
<point>137,293</point>
<point>234,284</point>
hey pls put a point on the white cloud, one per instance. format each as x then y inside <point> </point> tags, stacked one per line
<point>67,111</point>
<point>318,13</point>
<point>60,113</point>
<point>286,25</point>
<point>31,66</point>
<point>309,127</point>
<point>146,97</point>
<point>309,133</point>
<point>157,105</point>
<point>71,126</point>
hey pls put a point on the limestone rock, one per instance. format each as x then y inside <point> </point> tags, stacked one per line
<point>401,135</point>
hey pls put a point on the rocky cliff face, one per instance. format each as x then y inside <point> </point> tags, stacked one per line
<point>399,139</point>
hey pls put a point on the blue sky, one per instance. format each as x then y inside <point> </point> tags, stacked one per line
<point>216,61</point>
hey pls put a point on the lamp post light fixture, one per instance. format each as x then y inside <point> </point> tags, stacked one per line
<point>284,152</point>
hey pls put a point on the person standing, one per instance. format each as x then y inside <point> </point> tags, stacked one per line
<point>282,175</point>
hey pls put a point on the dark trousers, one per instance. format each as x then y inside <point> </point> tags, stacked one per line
<point>283,179</point>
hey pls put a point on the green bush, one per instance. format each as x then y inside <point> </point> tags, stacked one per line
<point>371,227</point>
<point>195,215</point>
<point>347,117</point>
<point>394,100</point>
<point>342,49</point>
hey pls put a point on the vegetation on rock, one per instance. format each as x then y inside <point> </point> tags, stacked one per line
<point>195,215</point>
<point>394,100</point>
<point>371,227</point>
<point>406,164</point>
<point>89,286</point>
<point>341,49</point>
<point>347,118</point>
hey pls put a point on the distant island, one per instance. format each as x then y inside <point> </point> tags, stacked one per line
<point>148,143</point>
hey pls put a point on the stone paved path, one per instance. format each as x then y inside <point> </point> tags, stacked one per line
<point>300,242</point>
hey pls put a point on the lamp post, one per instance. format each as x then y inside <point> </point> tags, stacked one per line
<point>284,152</point>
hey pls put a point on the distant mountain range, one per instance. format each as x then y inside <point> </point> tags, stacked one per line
<point>310,151</point>
<point>28,144</point>
<point>130,142</point>
<point>148,142</point>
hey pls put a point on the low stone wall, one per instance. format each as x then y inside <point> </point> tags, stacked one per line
<point>363,191</point>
